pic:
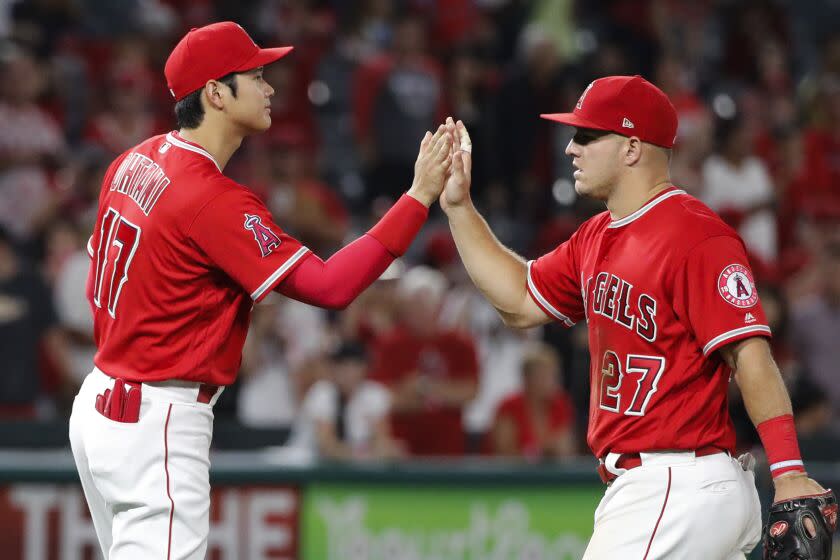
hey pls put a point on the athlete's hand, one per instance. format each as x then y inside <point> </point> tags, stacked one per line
<point>456,192</point>
<point>802,520</point>
<point>795,485</point>
<point>431,166</point>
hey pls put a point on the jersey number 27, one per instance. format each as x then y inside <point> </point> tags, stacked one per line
<point>646,371</point>
<point>118,241</point>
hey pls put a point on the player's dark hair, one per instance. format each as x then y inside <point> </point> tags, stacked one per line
<point>189,112</point>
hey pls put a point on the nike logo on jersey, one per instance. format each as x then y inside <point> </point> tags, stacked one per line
<point>613,298</point>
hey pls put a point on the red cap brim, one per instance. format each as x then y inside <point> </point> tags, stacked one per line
<point>264,57</point>
<point>572,119</point>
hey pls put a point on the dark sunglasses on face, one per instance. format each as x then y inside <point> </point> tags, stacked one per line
<point>584,136</point>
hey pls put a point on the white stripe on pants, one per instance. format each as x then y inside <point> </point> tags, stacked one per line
<point>712,511</point>
<point>146,483</point>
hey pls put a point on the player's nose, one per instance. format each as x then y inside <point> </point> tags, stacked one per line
<point>572,149</point>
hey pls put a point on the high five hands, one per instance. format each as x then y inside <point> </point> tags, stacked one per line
<point>443,167</point>
<point>456,191</point>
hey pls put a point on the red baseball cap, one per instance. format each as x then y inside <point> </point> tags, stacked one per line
<point>211,52</point>
<point>626,105</point>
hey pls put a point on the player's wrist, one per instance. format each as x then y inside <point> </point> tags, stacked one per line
<point>778,436</point>
<point>400,224</point>
<point>424,198</point>
<point>461,208</point>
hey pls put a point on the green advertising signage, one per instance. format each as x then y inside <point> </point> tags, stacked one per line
<point>365,522</point>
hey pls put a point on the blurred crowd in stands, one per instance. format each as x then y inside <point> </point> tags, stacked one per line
<point>420,365</point>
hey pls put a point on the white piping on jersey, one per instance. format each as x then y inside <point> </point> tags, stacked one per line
<point>544,302</point>
<point>641,211</point>
<point>90,246</point>
<point>732,334</point>
<point>279,272</point>
<point>785,464</point>
<point>181,144</point>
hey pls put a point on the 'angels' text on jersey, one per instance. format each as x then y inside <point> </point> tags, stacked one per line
<point>614,299</point>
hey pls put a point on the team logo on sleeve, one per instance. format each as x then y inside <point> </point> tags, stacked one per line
<point>736,286</point>
<point>265,238</point>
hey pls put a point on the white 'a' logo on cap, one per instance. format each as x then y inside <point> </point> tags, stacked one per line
<point>583,96</point>
<point>627,123</point>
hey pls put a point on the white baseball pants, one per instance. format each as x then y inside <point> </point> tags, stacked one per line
<point>146,483</point>
<point>676,506</point>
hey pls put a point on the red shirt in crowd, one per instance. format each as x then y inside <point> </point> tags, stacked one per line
<point>436,429</point>
<point>528,441</point>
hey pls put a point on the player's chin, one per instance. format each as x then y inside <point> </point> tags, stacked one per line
<point>261,124</point>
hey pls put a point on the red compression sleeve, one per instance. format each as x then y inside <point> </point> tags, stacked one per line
<point>778,436</point>
<point>399,225</point>
<point>338,281</point>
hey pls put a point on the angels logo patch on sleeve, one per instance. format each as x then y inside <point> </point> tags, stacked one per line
<point>265,238</point>
<point>737,287</point>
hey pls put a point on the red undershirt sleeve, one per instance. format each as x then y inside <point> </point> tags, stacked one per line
<point>334,284</point>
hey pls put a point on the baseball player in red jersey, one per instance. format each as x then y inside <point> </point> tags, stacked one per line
<point>180,255</point>
<point>666,291</point>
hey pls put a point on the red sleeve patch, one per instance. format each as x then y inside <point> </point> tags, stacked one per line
<point>266,239</point>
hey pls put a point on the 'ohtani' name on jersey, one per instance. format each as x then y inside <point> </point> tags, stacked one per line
<point>140,179</point>
<point>613,298</point>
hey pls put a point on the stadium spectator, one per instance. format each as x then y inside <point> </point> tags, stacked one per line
<point>431,371</point>
<point>397,97</point>
<point>815,322</point>
<point>127,117</point>
<point>27,324</point>
<point>737,185</point>
<point>538,421</point>
<point>31,147</point>
<point>345,416</point>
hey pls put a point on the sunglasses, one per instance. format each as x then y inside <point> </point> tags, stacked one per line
<point>584,136</point>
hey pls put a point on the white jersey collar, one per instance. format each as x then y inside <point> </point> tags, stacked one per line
<point>174,139</point>
<point>644,209</point>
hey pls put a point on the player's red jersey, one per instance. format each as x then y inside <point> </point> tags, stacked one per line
<point>180,255</point>
<point>661,290</point>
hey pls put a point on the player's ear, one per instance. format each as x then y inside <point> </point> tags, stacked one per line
<point>213,94</point>
<point>633,152</point>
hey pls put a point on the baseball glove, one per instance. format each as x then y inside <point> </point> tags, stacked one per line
<point>787,538</point>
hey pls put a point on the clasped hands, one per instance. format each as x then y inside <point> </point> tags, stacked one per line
<point>443,167</point>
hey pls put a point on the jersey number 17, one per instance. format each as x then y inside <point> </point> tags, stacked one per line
<point>118,241</point>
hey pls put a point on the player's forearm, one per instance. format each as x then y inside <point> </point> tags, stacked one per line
<point>760,382</point>
<point>499,273</point>
<point>768,405</point>
<point>334,284</point>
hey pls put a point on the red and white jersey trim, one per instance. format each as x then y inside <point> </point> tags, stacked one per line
<point>644,209</point>
<point>90,246</point>
<point>269,282</point>
<point>186,146</point>
<point>735,333</point>
<point>544,302</point>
